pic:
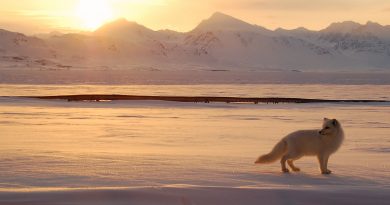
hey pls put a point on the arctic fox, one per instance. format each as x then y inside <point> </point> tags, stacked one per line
<point>321,143</point>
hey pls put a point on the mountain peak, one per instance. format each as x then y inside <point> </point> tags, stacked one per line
<point>300,32</point>
<point>119,23</point>
<point>303,29</point>
<point>123,28</point>
<point>373,25</point>
<point>221,16</point>
<point>342,27</point>
<point>221,21</point>
<point>350,27</point>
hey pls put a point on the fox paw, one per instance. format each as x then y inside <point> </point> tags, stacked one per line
<point>296,169</point>
<point>326,171</point>
<point>285,170</point>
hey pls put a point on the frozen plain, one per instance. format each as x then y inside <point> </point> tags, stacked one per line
<point>56,152</point>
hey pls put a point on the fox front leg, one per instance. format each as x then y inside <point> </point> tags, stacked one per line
<point>323,161</point>
<point>326,164</point>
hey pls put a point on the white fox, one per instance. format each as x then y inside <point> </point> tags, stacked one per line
<point>321,143</point>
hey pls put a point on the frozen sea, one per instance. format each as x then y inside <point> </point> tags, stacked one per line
<point>154,152</point>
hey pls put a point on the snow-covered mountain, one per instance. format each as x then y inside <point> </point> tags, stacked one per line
<point>219,41</point>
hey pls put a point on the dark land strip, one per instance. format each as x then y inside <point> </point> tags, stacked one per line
<point>195,99</point>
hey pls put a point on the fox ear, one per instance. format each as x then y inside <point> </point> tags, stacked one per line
<point>334,122</point>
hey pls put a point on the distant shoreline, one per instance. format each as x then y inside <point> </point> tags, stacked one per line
<point>197,99</point>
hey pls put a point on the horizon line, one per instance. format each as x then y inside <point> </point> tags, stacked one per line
<point>82,31</point>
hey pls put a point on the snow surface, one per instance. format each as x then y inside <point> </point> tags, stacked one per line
<point>153,75</point>
<point>151,152</point>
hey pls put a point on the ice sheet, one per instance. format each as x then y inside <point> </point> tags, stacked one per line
<point>185,153</point>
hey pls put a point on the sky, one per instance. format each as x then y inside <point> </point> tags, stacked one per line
<point>41,16</point>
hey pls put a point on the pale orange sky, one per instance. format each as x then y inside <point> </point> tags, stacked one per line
<point>37,16</point>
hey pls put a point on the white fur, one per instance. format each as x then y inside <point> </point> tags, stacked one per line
<point>321,143</point>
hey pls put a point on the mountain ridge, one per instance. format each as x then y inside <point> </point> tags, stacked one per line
<point>218,41</point>
<point>219,16</point>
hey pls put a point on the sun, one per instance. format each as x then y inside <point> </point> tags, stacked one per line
<point>94,13</point>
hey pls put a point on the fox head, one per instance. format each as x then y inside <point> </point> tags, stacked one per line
<point>329,126</point>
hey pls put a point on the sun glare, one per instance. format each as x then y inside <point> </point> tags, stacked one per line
<point>94,13</point>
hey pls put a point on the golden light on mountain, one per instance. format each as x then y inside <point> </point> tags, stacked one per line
<point>94,13</point>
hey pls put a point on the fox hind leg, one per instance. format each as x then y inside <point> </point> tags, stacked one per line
<point>283,164</point>
<point>290,156</point>
<point>290,163</point>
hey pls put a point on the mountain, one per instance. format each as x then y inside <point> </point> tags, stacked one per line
<point>124,29</point>
<point>349,27</point>
<point>219,41</point>
<point>18,49</point>
<point>342,27</point>
<point>222,22</point>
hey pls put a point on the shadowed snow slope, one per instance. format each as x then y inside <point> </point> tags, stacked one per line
<point>188,195</point>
